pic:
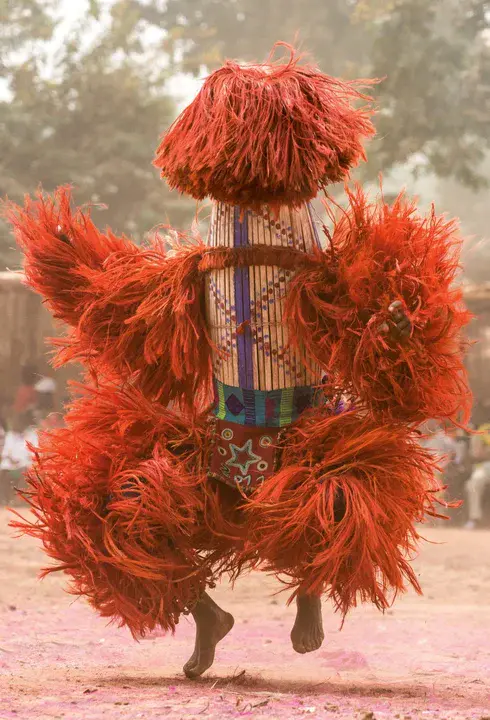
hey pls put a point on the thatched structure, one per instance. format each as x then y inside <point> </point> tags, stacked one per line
<point>24,328</point>
<point>477,298</point>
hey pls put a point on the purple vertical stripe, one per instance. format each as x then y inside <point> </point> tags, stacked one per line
<point>242,303</point>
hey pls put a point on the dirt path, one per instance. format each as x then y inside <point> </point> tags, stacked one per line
<point>429,658</point>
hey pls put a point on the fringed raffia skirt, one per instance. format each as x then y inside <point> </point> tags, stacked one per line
<point>125,502</point>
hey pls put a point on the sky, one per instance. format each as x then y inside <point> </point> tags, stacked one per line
<point>182,87</point>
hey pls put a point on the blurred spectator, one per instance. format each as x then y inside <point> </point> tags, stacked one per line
<point>45,389</point>
<point>26,397</point>
<point>441,442</point>
<point>16,456</point>
<point>457,472</point>
<point>46,418</point>
<point>480,476</point>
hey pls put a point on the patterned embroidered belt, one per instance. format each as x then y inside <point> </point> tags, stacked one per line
<point>244,454</point>
<point>259,408</point>
<point>244,457</point>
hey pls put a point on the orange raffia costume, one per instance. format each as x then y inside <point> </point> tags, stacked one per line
<point>242,408</point>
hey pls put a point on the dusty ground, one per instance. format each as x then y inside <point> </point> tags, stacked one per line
<point>428,658</point>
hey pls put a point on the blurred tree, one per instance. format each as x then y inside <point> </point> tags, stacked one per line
<point>435,100</point>
<point>23,23</point>
<point>204,33</point>
<point>92,118</point>
<point>472,209</point>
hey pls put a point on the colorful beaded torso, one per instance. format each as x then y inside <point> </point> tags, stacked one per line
<point>260,382</point>
<point>245,305</point>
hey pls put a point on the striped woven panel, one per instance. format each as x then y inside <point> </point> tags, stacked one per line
<point>245,304</point>
<point>264,408</point>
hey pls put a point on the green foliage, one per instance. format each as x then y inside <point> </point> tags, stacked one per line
<point>436,95</point>
<point>93,116</point>
<point>23,22</point>
<point>93,122</point>
<point>472,208</point>
<point>435,99</point>
<point>204,33</point>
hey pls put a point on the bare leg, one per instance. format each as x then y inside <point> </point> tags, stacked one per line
<point>212,624</point>
<point>307,633</point>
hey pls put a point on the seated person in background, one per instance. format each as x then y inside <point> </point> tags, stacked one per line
<point>457,472</point>
<point>25,398</point>
<point>16,456</point>
<point>441,443</point>
<point>46,417</point>
<point>480,476</point>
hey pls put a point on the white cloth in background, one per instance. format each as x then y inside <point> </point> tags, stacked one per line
<point>45,385</point>
<point>475,490</point>
<point>444,447</point>
<point>15,453</point>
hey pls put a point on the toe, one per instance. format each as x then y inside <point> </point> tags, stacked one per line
<point>297,642</point>
<point>300,648</point>
<point>310,642</point>
<point>191,673</point>
<point>189,667</point>
<point>201,664</point>
<point>192,661</point>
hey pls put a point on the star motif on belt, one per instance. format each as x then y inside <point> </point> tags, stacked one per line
<point>242,457</point>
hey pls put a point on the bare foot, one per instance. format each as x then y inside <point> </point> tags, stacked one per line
<point>212,624</point>
<point>307,633</point>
